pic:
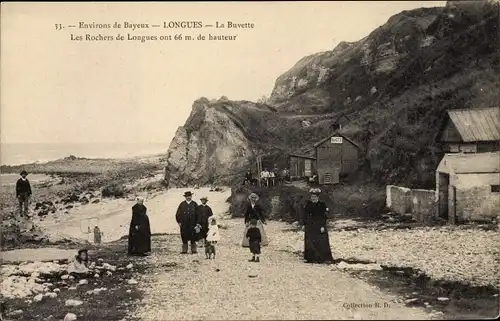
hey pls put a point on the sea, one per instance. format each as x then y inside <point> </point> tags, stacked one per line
<point>18,154</point>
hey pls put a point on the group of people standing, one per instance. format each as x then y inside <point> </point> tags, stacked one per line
<point>267,178</point>
<point>196,223</point>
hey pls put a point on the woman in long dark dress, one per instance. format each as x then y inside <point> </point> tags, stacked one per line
<point>254,211</point>
<point>139,237</point>
<point>316,243</point>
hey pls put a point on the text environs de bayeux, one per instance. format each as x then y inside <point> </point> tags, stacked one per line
<point>125,25</point>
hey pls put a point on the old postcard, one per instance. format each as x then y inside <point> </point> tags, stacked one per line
<point>270,160</point>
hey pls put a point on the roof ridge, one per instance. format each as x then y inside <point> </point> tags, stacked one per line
<point>472,109</point>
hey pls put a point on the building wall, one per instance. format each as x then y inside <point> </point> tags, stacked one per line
<point>476,147</point>
<point>485,147</point>
<point>450,133</point>
<point>297,166</point>
<point>293,166</point>
<point>474,199</point>
<point>343,157</point>
<point>461,148</point>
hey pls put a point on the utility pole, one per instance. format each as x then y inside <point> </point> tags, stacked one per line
<point>259,169</point>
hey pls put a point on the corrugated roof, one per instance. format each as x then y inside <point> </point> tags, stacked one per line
<point>470,163</point>
<point>482,124</point>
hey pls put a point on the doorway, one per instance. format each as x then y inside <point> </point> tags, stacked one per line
<point>307,168</point>
<point>444,182</point>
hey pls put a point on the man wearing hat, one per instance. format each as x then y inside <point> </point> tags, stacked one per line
<point>23,193</point>
<point>188,219</point>
<point>204,212</point>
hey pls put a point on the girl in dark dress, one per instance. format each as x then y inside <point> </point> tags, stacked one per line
<point>254,211</point>
<point>316,242</point>
<point>139,237</point>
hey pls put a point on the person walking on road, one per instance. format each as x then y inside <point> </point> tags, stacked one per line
<point>187,217</point>
<point>23,193</point>
<point>254,211</point>
<point>316,243</point>
<point>254,239</point>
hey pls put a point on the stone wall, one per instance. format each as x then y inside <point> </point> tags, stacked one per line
<point>423,204</point>
<point>419,202</point>
<point>398,199</point>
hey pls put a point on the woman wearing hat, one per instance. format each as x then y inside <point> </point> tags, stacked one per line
<point>254,211</point>
<point>316,242</point>
<point>23,193</point>
<point>204,212</point>
<point>139,235</point>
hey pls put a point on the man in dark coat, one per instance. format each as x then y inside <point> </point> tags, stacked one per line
<point>139,235</point>
<point>23,193</point>
<point>204,212</point>
<point>188,219</point>
<point>248,178</point>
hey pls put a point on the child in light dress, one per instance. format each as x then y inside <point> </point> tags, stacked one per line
<point>212,238</point>
<point>79,265</point>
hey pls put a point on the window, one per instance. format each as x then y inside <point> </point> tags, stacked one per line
<point>495,188</point>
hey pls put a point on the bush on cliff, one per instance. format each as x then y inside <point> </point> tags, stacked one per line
<point>113,190</point>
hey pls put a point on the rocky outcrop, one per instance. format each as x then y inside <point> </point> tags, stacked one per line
<point>209,146</point>
<point>331,80</point>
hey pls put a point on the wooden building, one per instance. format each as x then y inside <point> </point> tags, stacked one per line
<point>336,156</point>
<point>468,187</point>
<point>470,131</point>
<point>302,165</point>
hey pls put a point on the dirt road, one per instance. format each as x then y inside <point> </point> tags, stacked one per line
<point>281,286</point>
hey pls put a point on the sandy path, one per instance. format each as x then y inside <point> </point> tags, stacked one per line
<point>40,254</point>
<point>284,286</point>
<point>113,216</point>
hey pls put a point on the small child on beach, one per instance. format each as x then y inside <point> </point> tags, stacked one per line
<point>97,235</point>
<point>79,265</point>
<point>212,238</point>
<point>254,238</point>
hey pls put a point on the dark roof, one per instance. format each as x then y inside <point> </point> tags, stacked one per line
<point>470,163</point>
<point>474,125</point>
<point>302,156</point>
<point>337,134</point>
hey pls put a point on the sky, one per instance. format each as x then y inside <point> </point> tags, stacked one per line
<point>58,90</point>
